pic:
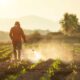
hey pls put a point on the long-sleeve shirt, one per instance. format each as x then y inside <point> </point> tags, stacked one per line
<point>17,34</point>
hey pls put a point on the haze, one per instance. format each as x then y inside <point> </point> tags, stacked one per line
<point>52,10</point>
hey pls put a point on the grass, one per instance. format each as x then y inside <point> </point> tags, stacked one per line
<point>14,70</point>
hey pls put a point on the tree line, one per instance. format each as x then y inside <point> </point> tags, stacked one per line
<point>69,24</point>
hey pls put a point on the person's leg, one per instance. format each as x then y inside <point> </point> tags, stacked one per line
<point>19,50</point>
<point>19,54</point>
<point>15,51</point>
<point>15,54</point>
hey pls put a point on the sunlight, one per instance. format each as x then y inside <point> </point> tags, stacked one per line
<point>4,3</point>
<point>37,56</point>
<point>32,55</point>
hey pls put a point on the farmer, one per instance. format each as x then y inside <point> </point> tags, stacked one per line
<point>16,35</point>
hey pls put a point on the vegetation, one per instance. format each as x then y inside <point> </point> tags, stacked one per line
<point>69,23</point>
<point>44,70</point>
<point>34,37</point>
<point>13,70</point>
<point>50,69</point>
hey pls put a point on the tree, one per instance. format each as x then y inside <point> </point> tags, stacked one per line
<point>35,36</point>
<point>69,23</point>
<point>78,30</point>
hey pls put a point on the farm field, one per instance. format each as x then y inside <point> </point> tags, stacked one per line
<point>57,60</point>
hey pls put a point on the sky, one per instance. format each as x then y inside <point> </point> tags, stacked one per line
<point>48,9</point>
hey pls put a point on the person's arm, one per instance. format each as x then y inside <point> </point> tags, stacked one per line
<point>10,34</point>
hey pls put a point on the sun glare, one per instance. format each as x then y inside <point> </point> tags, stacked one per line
<point>32,55</point>
<point>4,3</point>
<point>37,56</point>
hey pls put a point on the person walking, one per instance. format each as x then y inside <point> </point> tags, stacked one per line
<point>17,35</point>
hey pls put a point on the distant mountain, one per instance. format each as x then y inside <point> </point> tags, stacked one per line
<point>35,22</point>
<point>30,22</point>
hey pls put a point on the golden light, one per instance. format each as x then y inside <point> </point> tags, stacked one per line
<point>32,55</point>
<point>37,56</point>
<point>4,3</point>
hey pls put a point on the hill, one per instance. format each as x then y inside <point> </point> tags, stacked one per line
<point>35,22</point>
<point>30,22</point>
